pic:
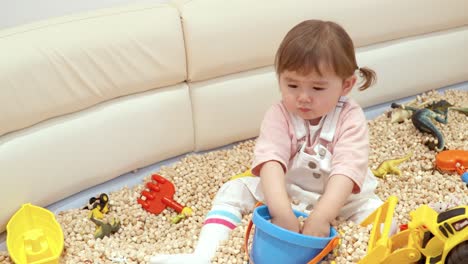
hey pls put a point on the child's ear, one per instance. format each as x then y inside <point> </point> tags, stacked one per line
<point>348,85</point>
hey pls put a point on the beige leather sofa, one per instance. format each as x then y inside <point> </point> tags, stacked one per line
<point>87,97</point>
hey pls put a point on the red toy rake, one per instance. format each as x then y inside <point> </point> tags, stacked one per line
<point>160,194</point>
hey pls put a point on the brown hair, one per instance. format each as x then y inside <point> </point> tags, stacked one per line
<point>312,43</point>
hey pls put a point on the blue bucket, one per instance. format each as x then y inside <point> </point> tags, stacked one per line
<point>274,244</point>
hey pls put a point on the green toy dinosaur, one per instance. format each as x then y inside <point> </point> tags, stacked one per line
<point>463,110</point>
<point>440,107</point>
<point>105,229</point>
<point>399,115</point>
<point>390,167</point>
<point>422,120</point>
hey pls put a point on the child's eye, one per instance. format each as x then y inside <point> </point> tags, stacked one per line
<point>319,88</point>
<point>292,86</point>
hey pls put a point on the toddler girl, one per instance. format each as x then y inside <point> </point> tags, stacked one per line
<point>312,151</point>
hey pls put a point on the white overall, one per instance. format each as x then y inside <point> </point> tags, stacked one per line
<point>307,176</point>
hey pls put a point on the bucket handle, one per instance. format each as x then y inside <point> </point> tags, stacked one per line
<point>327,249</point>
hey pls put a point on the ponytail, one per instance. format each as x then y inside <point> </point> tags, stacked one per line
<point>369,77</point>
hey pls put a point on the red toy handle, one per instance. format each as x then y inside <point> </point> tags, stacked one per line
<point>173,204</point>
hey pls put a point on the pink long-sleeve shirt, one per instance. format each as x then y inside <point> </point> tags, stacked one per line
<point>350,146</point>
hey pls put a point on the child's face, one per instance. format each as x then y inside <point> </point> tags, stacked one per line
<point>312,96</point>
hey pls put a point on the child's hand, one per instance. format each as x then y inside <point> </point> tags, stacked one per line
<point>315,225</point>
<point>288,221</point>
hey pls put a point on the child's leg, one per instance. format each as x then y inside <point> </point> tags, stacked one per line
<point>363,209</point>
<point>233,199</point>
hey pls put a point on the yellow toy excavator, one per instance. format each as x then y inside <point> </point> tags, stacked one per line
<point>431,237</point>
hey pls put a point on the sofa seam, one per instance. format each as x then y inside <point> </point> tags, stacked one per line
<point>81,19</point>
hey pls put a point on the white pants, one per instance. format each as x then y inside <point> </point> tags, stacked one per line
<point>244,193</point>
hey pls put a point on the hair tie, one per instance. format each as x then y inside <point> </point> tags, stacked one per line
<point>360,72</point>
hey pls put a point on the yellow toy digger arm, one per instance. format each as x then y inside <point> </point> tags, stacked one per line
<point>379,244</point>
<point>423,216</point>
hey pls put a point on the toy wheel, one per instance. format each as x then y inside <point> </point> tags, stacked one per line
<point>459,254</point>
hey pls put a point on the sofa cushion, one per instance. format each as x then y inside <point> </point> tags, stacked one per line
<point>59,157</point>
<point>63,65</point>
<point>414,65</point>
<point>219,41</point>
<point>231,108</point>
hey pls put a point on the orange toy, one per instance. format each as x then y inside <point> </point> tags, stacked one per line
<point>452,160</point>
<point>159,195</point>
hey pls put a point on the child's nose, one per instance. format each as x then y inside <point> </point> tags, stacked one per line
<point>304,98</point>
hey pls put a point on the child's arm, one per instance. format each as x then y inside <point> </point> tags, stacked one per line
<point>273,183</point>
<point>337,191</point>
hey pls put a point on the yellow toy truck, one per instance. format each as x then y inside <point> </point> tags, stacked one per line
<point>431,237</point>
